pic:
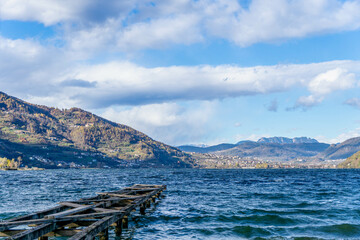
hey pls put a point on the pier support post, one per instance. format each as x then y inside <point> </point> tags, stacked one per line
<point>119,227</point>
<point>148,204</point>
<point>125,222</point>
<point>104,235</point>
<point>43,238</point>
<point>142,208</point>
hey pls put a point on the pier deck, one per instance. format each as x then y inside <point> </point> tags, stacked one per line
<point>85,218</point>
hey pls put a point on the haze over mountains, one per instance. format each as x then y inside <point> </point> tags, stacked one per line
<point>282,149</point>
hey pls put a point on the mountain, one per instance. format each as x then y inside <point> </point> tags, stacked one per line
<point>283,149</point>
<point>215,148</point>
<point>342,150</point>
<point>244,141</point>
<point>351,162</point>
<point>284,140</point>
<point>276,151</point>
<point>52,137</point>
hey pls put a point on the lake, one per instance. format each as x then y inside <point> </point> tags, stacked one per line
<point>207,204</point>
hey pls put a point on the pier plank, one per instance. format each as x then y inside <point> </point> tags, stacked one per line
<point>76,205</point>
<point>36,232</point>
<point>96,214</point>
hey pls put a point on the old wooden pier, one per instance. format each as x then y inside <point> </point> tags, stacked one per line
<point>85,218</point>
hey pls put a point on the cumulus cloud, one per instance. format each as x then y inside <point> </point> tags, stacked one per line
<point>306,102</point>
<point>354,102</point>
<point>30,71</point>
<point>267,21</point>
<point>324,84</point>
<point>77,83</point>
<point>160,33</point>
<point>167,122</point>
<point>131,24</point>
<point>51,12</point>
<point>28,67</point>
<point>343,136</point>
<point>332,80</point>
<point>125,83</point>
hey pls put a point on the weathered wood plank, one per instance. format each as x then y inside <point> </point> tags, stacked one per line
<point>9,233</point>
<point>8,225</point>
<point>108,212</point>
<point>63,233</point>
<point>76,205</point>
<point>142,189</point>
<point>90,232</point>
<point>35,232</point>
<point>122,196</point>
<point>39,214</point>
<point>70,212</point>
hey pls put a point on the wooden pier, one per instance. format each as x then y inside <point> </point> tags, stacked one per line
<point>85,218</point>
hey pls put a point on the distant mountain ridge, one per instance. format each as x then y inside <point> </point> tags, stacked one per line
<point>283,149</point>
<point>209,149</point>
<point>342,150</point>
<point>75,135</point>
<point>285,140</point>
<point>276,151</point>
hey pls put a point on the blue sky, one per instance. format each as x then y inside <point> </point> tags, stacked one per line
<point>186,71</point>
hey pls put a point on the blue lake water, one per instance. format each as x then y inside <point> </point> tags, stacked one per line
<point>207,204</point>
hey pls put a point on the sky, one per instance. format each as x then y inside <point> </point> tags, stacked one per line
<point>191,71</point>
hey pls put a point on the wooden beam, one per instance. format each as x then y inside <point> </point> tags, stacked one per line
<point>63,233</point>
<point>9,233</point>
<point>35,232</point>
<point>90,232</point>
<point>81,223</point>
<point>70,212</point>
<point>118,227</point>
<point>8,225</point>
<point>75,205</point>
<point>39,214</point>
<point>122,196</point>
<point>51,222</point>
<point>142,189</point>
<point>125,222</point>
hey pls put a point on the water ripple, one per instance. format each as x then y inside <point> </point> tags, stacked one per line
<point>207,204</point>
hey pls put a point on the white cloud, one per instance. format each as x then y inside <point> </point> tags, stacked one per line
<point>32,71</point>
<point>182,29</point>
<point>267,21</point>
<point>332,80</point>
<point>129,25</point>
<point>28,67</point>
<point>126,83</point>
<point>51,12</point>
<point>167,122</point>
<point>306,102</point>
<point>342,137</point>
<point>354,102</point>
<point>324,84</point>
<point>186,22</point>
